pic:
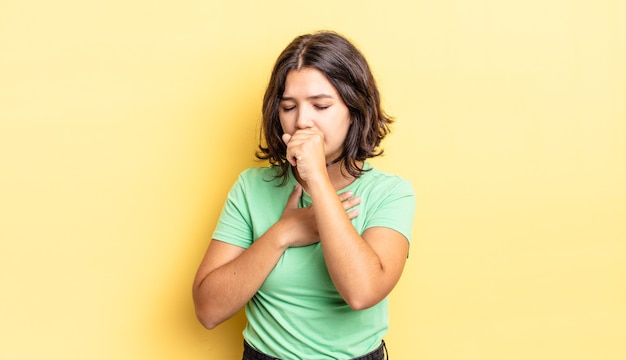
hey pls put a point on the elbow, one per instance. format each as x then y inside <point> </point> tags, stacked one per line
<point>206,313</point>
<point>211,312</point>
<point>207,319</point>
<point>356,306</point>
<point>362,298</point>
<point>361,302</point>
<point>209,325</point>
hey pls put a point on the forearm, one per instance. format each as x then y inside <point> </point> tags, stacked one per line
<point>225,290</point>
<point>353,265</point>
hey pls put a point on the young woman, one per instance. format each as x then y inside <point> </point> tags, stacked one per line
<point>312,244</point>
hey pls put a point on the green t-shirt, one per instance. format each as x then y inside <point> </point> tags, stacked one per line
<point>298,313</point>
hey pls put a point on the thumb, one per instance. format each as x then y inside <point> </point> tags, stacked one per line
<point>286,138</point>
<point>292,202</point>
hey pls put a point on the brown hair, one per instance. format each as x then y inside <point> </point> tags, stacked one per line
<point>347,70</point>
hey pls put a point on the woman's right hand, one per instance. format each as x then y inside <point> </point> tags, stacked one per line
<point>216,298</point>
<point>300,226</point>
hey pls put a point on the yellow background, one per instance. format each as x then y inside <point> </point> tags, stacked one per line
<point>124,123</point>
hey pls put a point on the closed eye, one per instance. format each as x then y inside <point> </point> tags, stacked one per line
<point>321,107</point>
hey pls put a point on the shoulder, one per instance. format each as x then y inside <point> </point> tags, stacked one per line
<point>261,174</point>
<point>253,188</point>
<point>384,182</point>
<point>259,171</point>
<point>388,200</point>
<point>256,180</point>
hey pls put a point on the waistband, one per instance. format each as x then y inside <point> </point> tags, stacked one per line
<point>250,353</point>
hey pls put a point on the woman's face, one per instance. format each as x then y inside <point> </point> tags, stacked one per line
<point>311,101</point>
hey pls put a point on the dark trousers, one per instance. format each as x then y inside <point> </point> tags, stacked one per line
<point>249,353</point>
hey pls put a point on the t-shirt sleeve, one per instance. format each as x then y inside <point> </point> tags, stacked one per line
<point>396,210</point>
<point>234,225</point>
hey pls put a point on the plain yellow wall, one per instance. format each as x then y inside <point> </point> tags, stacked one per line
<point>124,123</point>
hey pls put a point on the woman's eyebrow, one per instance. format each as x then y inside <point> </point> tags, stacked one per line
<point>312,97</point>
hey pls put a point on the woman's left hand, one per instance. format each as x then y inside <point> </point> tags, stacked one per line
<point>305,150</point>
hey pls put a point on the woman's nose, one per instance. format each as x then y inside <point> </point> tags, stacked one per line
<point>304,119</point>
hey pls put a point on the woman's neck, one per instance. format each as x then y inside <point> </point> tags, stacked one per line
<point>337,174</point>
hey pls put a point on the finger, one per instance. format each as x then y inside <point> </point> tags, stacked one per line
<point>348,200</point>
<point>292,160</point>
<point>345,196</point>
<point>353,213</point>
<point>289,155</point>
<point>352,202</point>
<point>292,202</point>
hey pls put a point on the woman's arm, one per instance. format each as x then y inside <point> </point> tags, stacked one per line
<point>364,268</point>
<point>229,275</point>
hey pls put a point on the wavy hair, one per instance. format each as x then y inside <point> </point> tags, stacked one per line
<point>347,70</point>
